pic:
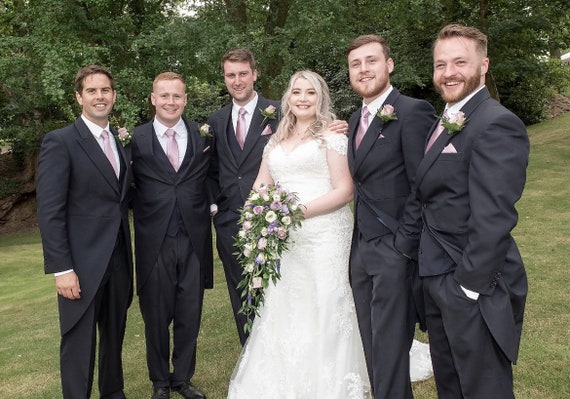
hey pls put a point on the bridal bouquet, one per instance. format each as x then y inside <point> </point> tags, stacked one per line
<point>266,219</point>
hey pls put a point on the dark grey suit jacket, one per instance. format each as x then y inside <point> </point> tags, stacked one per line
<point>468,194</point>
<point>156,192</point>
<point>235,177</point>
<point>81,207</point>
<point>384,168</point>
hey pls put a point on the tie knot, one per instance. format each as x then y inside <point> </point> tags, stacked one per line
<point>170,133</point>
<point>105,134</point>
<point>365,112</point>
<point>242,111</point>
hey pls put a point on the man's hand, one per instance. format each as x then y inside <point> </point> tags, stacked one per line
<point>338,126</point>
<point>67,286</point>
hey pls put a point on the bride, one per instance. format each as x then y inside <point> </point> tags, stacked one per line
<point>305,344</point>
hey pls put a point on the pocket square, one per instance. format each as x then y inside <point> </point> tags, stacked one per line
<point>381,136</point>
<point>206,149</point>
<point>449,149</point>
<point>267,131</point>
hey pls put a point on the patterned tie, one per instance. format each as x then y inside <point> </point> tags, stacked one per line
<point>240,128</point>
<point>438,130</point>
<point>109,152</point>
<point>362,126</point>
<point>172,148</point>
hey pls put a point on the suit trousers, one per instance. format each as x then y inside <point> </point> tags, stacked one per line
<point>172,295</point>
<point>467,362</point>
<point>108,314</point>
<point>381,286</point>
<point>226,229</point>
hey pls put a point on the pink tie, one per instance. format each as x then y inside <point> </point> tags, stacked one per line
<point>109,152</point>
<point>362,126</point>
<point>240,128</point>
<point>172,148</point>
<point>438,130</point>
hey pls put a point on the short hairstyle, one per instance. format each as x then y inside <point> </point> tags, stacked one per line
<point>324,114</point>
<point>239,55</point>
<point>88,71</point>
<point>167,76</point>
<point>461,31</point>
<point>366,39</point>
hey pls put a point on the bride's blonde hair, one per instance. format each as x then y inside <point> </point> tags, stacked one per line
<point>324,114</point>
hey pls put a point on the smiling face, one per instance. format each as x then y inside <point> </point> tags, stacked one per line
<point>239,78</point>
<point>169,98</point>
<point>459,69</point>
<point>303,100</point>
<point>369,71</point>
<point>97,98</point>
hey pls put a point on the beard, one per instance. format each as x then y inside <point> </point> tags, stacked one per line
<point>470,84</point>
<point>370,92</point>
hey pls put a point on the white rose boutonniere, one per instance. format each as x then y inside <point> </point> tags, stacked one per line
<point>387,113</point>
<point>269,112</point>
<point>124,136</point>
<point>205,130</point>
<point>453,122</point>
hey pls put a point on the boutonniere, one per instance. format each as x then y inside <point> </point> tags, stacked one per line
<point>269,113</point>
<point>124,136</point>
<point>453,122</point>
<point>387,113</point>
<point>205,130</point>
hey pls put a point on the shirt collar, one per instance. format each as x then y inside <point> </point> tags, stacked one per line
<point>458,105</point>
<point>249,107</point>
<point>94,128</point>
<point>375,105</point>
<point>161,129</point>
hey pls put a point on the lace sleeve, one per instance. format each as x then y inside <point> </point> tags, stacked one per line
<point>337,142</point>
<point>269,146</point>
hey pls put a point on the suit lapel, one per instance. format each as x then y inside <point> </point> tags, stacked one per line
<point>374,130</point>
<point>96,154</point>
<point>444,138</point>
<point>224,123</point>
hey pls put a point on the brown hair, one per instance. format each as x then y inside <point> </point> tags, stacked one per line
<point>88,71</point>
<point>366,39</point>
<point>461,31</point>
<point>168,76</point>
<point>239,55</point>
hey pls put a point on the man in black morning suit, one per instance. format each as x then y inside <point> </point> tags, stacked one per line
<point>471,177</point>
<point>84,176</point>
<point>383,160</point>
<point>237,168</point>
<point>173,239</point>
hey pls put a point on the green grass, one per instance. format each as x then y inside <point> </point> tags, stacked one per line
<point>29,332</point>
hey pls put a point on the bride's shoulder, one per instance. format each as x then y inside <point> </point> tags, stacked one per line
<point>336,141</point>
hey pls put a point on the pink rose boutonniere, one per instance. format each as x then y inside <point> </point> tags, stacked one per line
<point>124,136</point>
<point>205,130</point>
<point>453,122</point>
<point>268,113</point>
<point>387,113</point>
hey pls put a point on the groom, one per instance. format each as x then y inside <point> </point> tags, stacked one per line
<point>386,145</point>
<point>472,175</point>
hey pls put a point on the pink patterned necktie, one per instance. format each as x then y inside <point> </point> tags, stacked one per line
<point>438,130</point>
<point>240,127</point>
<point>362,126</point>
<point>172,148</point>
<point>109,152</point>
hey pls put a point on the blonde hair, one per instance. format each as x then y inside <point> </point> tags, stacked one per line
<point>324,114</point>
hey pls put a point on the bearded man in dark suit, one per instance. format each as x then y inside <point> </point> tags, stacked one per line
<point>386,145</point>
<point>472,175</point>
<point>84,175</point>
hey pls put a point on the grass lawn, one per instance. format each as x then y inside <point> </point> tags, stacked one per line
<point>29,331</point>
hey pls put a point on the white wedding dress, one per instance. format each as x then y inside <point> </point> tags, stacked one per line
<point>306,344</point>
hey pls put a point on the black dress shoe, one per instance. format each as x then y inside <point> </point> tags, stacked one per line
<point>187,391</point>
<point>161,393</point>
